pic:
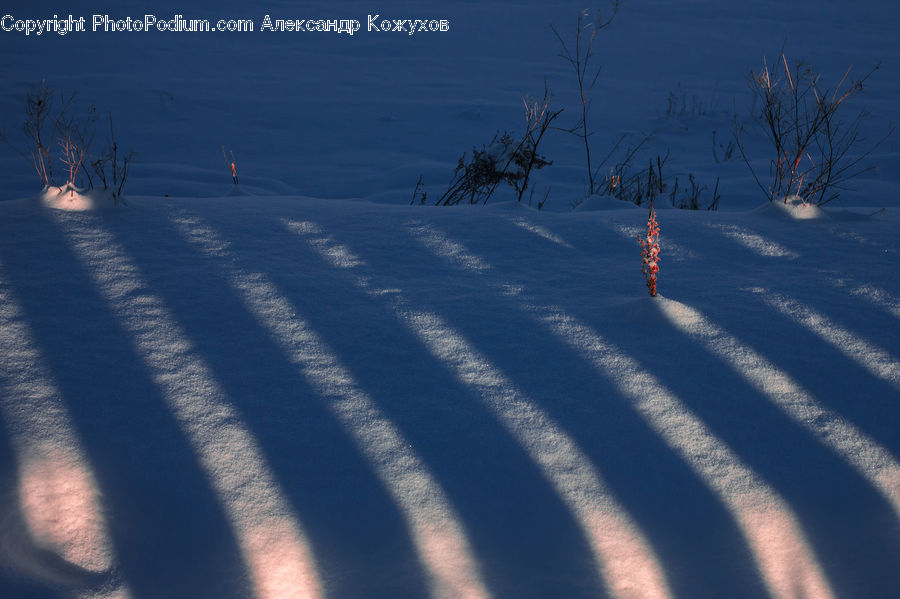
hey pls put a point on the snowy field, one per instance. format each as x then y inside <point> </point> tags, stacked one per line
<point>306,388</point>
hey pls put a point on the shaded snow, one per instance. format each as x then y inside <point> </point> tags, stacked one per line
<point>397,401</point>
<point>302,387</point>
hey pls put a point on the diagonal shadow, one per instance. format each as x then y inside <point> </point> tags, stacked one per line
<point>479,303</point>
<point>159,505</point>
<point>852,527</point>
<point>56,531</point>
<point>356,530</point>
<point>872,356</point>
<point>875,296</point>
<point>796,463</point>
<point>696,537</point>
<point>523,535</point>
<point>816,272</point>
<point>849,389</point>
<point>857,394</point>
<point>868,402</point>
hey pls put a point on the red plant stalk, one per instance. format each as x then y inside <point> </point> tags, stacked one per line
<point>650,252</point>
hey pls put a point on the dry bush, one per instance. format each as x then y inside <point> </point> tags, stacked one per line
<point>817,148</point>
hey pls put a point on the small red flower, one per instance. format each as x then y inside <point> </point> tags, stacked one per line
<point>650,252</point>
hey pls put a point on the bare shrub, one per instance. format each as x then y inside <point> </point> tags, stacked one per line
<point>816,150</point>
<point>74,138</point>
<point>506,159</point>
<point>727,149</point>
<point>679,106</point>
<point>419,195</point>
<point>54,132</point>
<point>644,186</point>
<point>688,197</point>
<point>111,167</point>
<point>232,165</point>
<point>43,110</point>
<point>579,54</point>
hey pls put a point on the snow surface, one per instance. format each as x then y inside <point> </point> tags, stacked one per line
<point>280,397</point>
<point>304,387</point>
<point>334,116</point>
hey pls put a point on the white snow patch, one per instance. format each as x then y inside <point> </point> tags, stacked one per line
<point>447,248</point>
<point>874,295</point>
<point>72,199</point>
<point>756,242</point>
<point>793,207</point>
<point>541,231</point>
<point>879,297</point>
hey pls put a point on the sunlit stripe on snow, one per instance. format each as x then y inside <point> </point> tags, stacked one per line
<point>277,555</point>
<point>58,496</point>
<point>540,231</point>
<point>879,297</point>
<point>439,538</point>
<point>625,561</point>
<point>874,295</point>
<point>784,558</point>
<point>870,459</point>
<point>673,251</point>
<point>879,246</point>
<point>872,358</point>
<point>755,242</point>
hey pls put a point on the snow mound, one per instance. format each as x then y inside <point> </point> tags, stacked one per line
<point>598,202</point>
<point>235,191</point>
<point>793,207</point>
<point>73,199</point>
<point>509,205</point>
<point>858,214</point>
